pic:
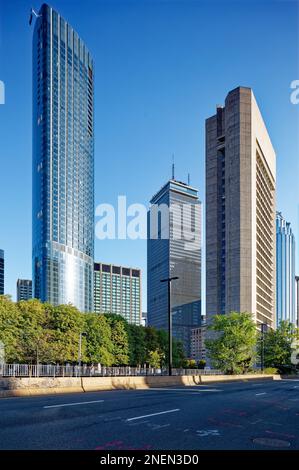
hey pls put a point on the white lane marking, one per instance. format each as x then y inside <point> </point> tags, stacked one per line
<point>257,394</point>
<point>207,432</point>
<point>192,390</point>
<point>153,414</point>
<point>74,404</point>
<point>289,380</point>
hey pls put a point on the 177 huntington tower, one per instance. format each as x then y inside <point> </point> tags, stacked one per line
<point>63,163</point>
<point>240,211</point>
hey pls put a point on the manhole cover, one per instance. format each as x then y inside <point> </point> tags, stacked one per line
<point>266,441</point>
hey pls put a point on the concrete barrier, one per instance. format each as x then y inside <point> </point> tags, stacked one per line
<point>232,378</point>
<point>25,386</point>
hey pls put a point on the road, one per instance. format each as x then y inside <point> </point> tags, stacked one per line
<point>242,415</point>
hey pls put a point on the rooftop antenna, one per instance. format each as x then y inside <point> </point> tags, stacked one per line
<point>173,166</point>
<point>33,13</point>
<point>188,179</point>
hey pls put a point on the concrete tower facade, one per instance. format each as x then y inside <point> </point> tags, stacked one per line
<point>240,211</point>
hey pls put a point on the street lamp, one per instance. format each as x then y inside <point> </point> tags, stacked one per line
<point>80,347</point>
<point>264,328</point>
<point>169,280</point>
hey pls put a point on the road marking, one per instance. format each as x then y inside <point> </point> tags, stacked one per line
<point>153,414</point>
<point>289,380</point>
<point>207,432</point>
<point>74,404</point>
<point>193,390</point>
<point>263,393</point>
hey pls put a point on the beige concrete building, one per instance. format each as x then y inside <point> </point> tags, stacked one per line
<point>198,351</point>
<point>240,210</point>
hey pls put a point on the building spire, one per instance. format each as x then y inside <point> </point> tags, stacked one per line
<point>173,166</point>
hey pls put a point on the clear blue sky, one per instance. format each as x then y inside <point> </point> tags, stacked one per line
<point>161,68</point>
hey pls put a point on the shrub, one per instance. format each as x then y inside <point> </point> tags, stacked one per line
<point>270,370</point>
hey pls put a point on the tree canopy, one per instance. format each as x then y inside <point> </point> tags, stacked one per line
<point>33,332</point>
<point>279,345</point>
<point>232,348</point>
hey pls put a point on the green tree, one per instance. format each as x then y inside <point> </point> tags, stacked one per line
<point>232,350</point>
<point>279,345</point>
<point>99,347</point>
<point>32,334</point>
<point>119,337</point>
<point>136,338</point>
<point>64,323</point>
<point>178,353</point>
<point>155,359</point>
<point>190,364</point>
<point>10,329</point>
<point>151,341</point>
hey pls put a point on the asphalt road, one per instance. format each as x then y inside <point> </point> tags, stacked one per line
<point>243,415</point>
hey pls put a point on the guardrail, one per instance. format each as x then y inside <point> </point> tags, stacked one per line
<point>49,370</point>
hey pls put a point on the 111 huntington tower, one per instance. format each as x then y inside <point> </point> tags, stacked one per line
<point>63,164</point>
<point>240,211</point>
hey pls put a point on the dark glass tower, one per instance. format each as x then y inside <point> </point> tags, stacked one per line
<point>1,272</point>
<point>174,249</point>
<point>63,164</point>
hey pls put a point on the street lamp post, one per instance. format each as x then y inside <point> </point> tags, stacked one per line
<point>169,280</point>
<point>264,328</point>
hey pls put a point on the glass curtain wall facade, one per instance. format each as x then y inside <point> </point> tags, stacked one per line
<point>117,289</point>
<point>285,271</point>
<point>1,272</point>
<point>63,164</point>
<point>170,252</point>
<point>297,299</point>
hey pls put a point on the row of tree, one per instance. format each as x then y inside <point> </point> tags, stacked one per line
<point>32,331</point>
<point>235,345</point>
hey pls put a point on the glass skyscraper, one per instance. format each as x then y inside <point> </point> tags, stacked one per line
<point>1,272</point>
<point>63,163</point>
<point>285,271</point>
<point>174,249</point>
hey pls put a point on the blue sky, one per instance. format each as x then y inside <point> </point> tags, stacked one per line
<point>161,68</point>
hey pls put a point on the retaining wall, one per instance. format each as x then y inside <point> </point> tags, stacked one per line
<point>25,386</point>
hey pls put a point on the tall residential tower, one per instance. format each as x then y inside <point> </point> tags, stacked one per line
<point>117,289</point>
<point>174,249</point>
<point>240,211</point>
<point>63,163</point>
